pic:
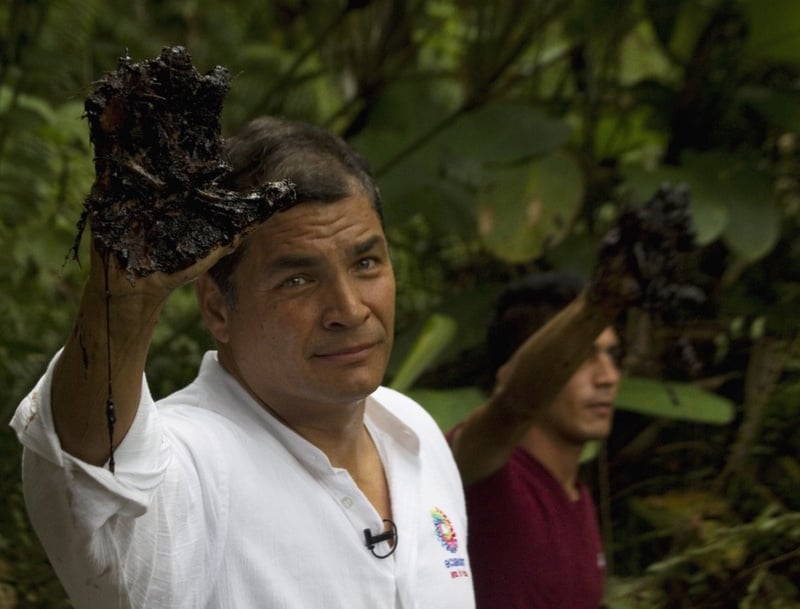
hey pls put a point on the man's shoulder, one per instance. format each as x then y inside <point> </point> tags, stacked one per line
<point>399,404</point>
<point>406,410</point>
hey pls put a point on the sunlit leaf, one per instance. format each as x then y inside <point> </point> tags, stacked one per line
<point>691,18</point>
<point>642,57</point>
<point>436,334</point>
<point>451,406</point>
<point>529,208</point>
<point>673,400</point>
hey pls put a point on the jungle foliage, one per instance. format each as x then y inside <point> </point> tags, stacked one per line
<point>506,137</point>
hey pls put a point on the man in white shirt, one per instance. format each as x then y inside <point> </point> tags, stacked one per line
<point>284,476</point>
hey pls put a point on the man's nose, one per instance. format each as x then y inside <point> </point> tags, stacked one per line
<point>344,304</point>
<point>607,370</point>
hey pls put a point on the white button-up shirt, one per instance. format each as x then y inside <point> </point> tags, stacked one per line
<point>217,504</point>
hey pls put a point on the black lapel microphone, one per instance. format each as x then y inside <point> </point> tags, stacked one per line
<point>371,540</point>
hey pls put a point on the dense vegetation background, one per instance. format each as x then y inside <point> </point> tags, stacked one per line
<point>506,137</point>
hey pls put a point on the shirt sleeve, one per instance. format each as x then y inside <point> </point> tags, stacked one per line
<point>141,459</point>
<point>152,533</point>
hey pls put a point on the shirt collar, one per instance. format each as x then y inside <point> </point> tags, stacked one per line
<point>230,399</point>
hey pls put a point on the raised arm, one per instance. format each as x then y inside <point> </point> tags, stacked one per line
<point>532,378</point>
<point>160,215</point>
<point>636,266</point>
<point>112,333</point>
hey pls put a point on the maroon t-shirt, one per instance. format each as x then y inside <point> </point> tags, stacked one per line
<point>530,546</point>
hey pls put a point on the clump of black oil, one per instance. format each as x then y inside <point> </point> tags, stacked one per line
<point>158,202</point>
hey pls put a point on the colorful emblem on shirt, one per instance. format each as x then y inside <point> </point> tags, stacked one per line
<point>444,530</point>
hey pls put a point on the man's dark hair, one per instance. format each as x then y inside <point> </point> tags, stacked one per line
<point>525,306</point>
<point>321,165</point>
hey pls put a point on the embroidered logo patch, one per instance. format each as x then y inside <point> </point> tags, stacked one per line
<point>444,530</point>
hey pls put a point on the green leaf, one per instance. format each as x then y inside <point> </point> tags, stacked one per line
<point>448,407</point>
<point>405,114</point>
<point>33,110</point>
<point>502,133</point>
<point>773,30</point>
<point>689,20</point>
<point>529,208</point>
<point>576,254</point>
<point>709,216</point>
<point>642,57</point>
<point>434,337</point>
<point>673,400</point>
<point>720,179</point>
<point>448,207</point>
<point>781,108</point>
<point>730,199</point>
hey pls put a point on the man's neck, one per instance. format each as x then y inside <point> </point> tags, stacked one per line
<point>560,458</point>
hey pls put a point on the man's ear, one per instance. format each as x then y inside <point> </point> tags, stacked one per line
<point>212,307</point>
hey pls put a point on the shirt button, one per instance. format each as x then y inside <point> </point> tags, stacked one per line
<point>347,502</point>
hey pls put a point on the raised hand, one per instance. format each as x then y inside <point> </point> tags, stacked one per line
<point>638,260</point>
<point>161,212</point>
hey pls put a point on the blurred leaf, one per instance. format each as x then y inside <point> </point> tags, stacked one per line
<point>709,216</point>
<point>436,334</point>
<point>631,593</point>
<point>777,107</point>
<point>447,206</point>
<point>470,310</point>
<point>629,135</point>
<point>502,133</point>
<point>774,29</point>
<point>576,254</point>
<point>27,108</point>
<point>590,451</point>
<point>448,407</point>
<point>642,57</point>
<point>527,209</point>
<point>722,179</point>
<point>730,199</point>
<point>673,400</point>
<point>405,113</point>
<point>680,508</point>
<point>679,24</point>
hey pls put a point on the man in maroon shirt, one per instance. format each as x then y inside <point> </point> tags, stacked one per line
<point>534,540</point>
<point>533,535</point>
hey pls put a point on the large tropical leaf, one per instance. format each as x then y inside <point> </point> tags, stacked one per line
<point>673,400</point>
<point>775,106</point>
<point>774,30</point>
<point>529,208</point>
<point>502,133</point>
<point>450,406</point>
<point>434,337</point>
<point>730,199</point>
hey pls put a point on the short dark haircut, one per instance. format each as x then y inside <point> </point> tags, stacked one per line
<point>525,306</point>
<point>321,166</point>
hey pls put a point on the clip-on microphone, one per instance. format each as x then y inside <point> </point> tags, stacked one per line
<point>371,540</point>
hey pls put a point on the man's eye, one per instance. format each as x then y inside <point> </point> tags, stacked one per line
<point>367,263</point>
<point>616,353</point>
<point>293,282</point>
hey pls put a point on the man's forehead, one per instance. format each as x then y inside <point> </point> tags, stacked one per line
<point>350,226</point>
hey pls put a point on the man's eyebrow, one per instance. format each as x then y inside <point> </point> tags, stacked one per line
<point>369,244</point>
<point>301,261</point>
<point>294,261</point>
